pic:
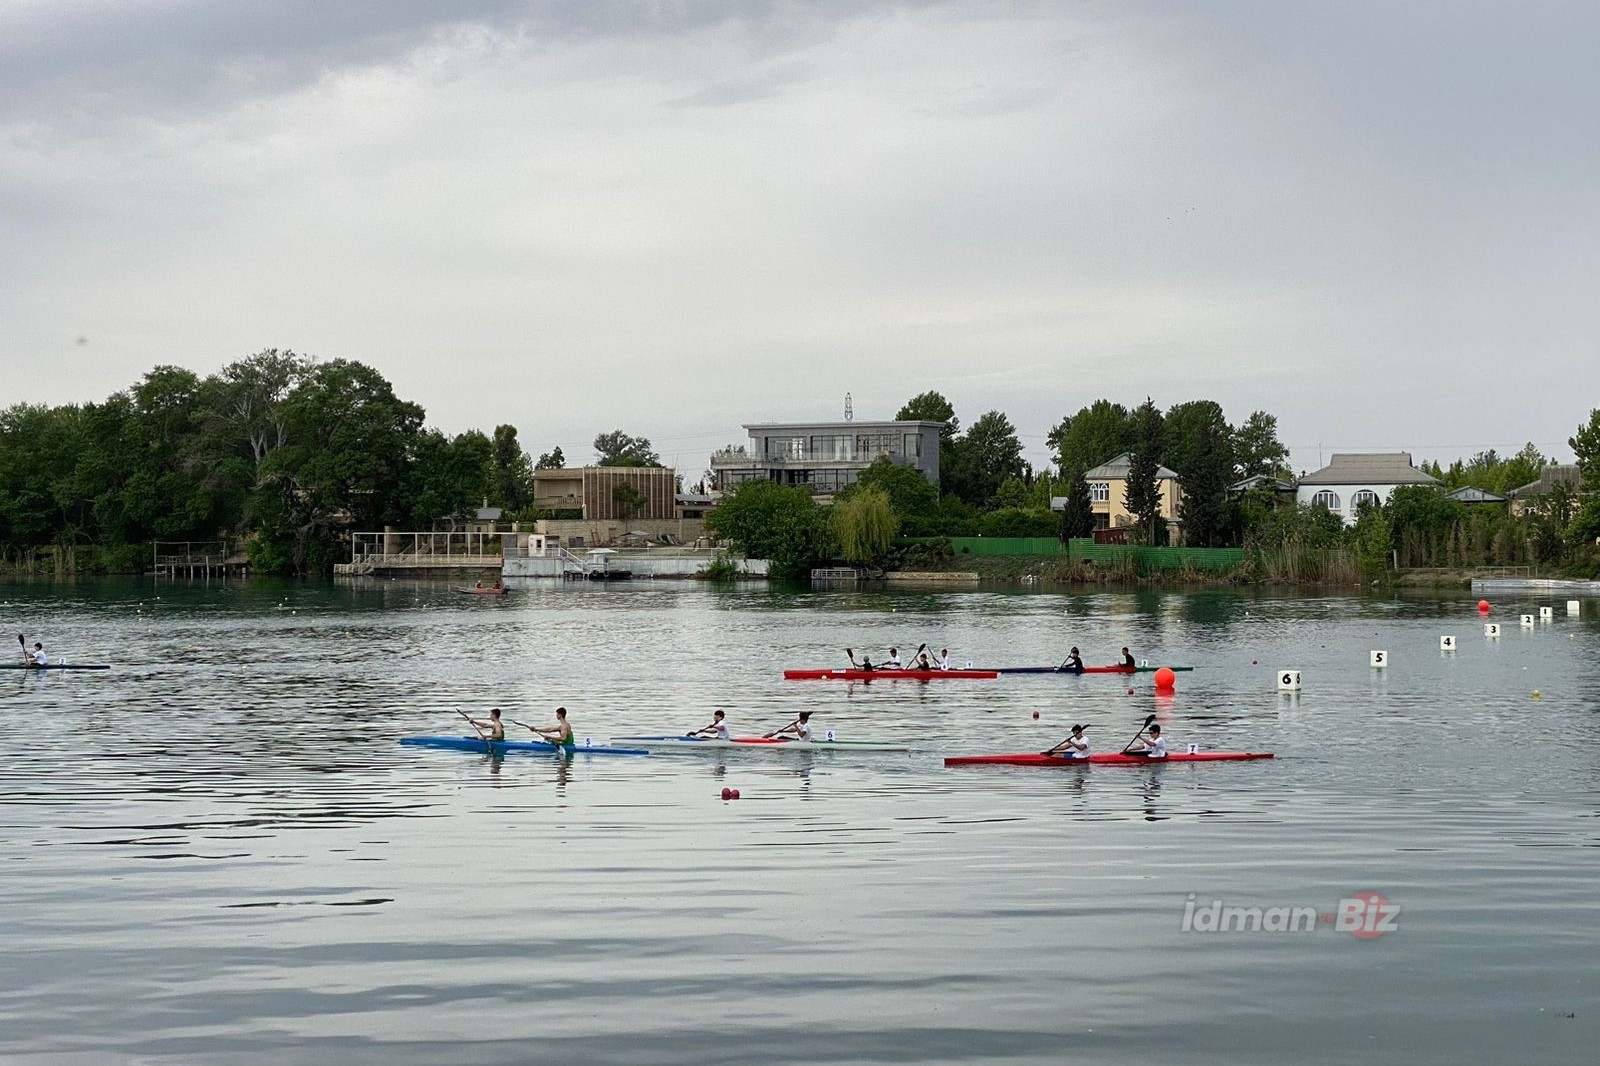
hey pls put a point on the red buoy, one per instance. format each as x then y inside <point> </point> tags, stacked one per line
<point>735,794</point>
<point>727,793</point>
<point>1483,606</point>
<point>1165,678</point>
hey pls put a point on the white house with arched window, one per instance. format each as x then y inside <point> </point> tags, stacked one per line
<point>1352,480</point>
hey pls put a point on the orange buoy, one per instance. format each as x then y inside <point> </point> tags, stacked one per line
<point>1165,678</point>
<point>1483,606</point>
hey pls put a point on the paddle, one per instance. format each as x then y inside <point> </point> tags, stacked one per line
<point>1057,749</point>
<point>775,732</point>
<point>473,724</point>
<point>1140,733</point>
<point>26,658</point>
<point>528,727</point>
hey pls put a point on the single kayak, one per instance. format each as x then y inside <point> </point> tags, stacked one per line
<point>886,675</point>
<point>681,743</point>
<point>56,666</point>
<point>1116,669</point>
<point>499,747</point>
<point>484,592</point>
<point>1034,758</point>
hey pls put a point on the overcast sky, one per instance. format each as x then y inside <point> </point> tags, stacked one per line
<point>1378,221</point>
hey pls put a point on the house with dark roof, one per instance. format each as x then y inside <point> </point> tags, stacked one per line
<point>1353,479</point>
<point>1555,474</point>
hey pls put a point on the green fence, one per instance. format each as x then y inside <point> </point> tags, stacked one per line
<point>1105,555</point>
<point>1140,558</point>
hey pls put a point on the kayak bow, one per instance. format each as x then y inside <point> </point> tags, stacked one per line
<point>1034,758</point>
<point>500,747</point>
<point>1115,669</point>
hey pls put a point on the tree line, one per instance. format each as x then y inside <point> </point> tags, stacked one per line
<point>986,488</point>
<point>278,450</point>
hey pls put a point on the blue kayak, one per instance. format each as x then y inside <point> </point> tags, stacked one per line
<point>500,747</point>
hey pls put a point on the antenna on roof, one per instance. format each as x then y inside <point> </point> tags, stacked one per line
<point>849,415</point>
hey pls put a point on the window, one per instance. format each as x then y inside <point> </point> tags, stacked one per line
<point>1326,499</point>
<point>1364,498</point>
<point>912,446</point>
<point>1099,492</point>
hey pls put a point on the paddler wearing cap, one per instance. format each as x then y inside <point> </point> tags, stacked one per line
<point>1075,746</point>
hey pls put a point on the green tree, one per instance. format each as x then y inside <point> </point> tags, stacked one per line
<point>931,407</point>
<point>628,501</point>
<point>1013,493</point>
<point>783,525</point>
<point>619,449</point>
<point>1372,539</point>
<point>1077,517</point>
<point>988,453</point>
<point>1257,450</point>
<point>513,473</point>
<point>1207,510</point>
<point>1181,432</point>
<point>1142,492</point>
<point>1097,433</point>
<point>914,499</point>
<point>865,525</point>
<point>446,478</point>
<point>1018,522</point>
<point>551,460</point>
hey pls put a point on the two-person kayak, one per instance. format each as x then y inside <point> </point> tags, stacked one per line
<point>500,747</point>
<point>881,674</point>
<point>1034,758</point>
<point>688,743</point>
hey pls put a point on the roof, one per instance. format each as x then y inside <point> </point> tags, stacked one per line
<point>1262,481</point>
<point>1369,468</point>
<point>841,427</point>
<point>1549,478</point>
<point>1117,470</point>
<point>1473,494</point>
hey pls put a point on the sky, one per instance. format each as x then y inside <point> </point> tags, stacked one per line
<point>1377,221</point>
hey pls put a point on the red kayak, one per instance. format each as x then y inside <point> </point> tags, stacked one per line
<point>1033,758</point>
<point>885,675</point>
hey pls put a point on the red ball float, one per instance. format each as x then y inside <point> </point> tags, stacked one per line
<point>1483,606</point>
<point>1165,678</point>
<point>727,793</point>
<point>735,794</point>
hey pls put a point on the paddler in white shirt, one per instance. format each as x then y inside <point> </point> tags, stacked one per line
<point>37,657</point>
<point>799,729</point>
<point>1152,747</point>
<point>1075,746</point>
<point>717,729</point>
<point>944,659</point>
<point>893,661</point>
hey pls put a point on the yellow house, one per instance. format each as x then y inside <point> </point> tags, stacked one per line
<point>1108,492</point>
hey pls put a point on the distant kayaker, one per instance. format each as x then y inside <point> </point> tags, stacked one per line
<point>1075,746</point>
<point>1073,663</point>
<point>37,657</point>
<point>944,658</point>
<point>560,733</point>
<point>923,662</point>
<point>496,728</point>
<point>1127,660</point>
<point>799,729</point>
<point>893,661</point>
<point>1152,747</point>
<point>717,729</point>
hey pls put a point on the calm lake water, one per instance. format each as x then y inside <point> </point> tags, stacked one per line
<point>216,852</point>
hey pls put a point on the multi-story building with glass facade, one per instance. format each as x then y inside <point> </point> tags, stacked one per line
<point>826,456</point>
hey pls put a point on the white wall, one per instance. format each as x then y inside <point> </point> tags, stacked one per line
<point>1346,493</point>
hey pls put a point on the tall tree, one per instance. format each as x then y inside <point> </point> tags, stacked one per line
<point>1206,508</point>
<point>1257,450</point>
<point>1142,493</point>
<point>551,460</point>
<point>914,500</point>
<point>1182,428</point>
<point>513,473</point>
<point>1077,517</point>
<point>1097,433</point>
<point>619,449</point>
<point>864,525</point>
<point>988,453</point>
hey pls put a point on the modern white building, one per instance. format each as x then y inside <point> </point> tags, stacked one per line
<point>824,457</point>
<point>1353,479</point>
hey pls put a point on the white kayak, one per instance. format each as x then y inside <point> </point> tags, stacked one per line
<point>683,743</point>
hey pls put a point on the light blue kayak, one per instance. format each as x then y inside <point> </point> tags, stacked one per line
<point>500,747</point>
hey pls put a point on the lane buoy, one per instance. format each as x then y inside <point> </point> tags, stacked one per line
<point>1483,606</point>
<point>1165,678</point>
